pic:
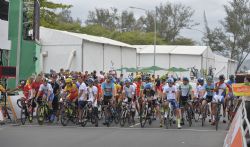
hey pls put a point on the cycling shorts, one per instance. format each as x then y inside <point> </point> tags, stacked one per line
<point>82,104</point>
<point>106,99</point>
<point>209,99</point>
<point>50,97</point>
<point>183,101</point>
<point>173,103</point>
<point>218,98</point>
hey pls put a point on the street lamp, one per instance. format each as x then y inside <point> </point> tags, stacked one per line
<point>131,7</point>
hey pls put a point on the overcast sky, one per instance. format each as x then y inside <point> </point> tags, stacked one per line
<point>214,10</point>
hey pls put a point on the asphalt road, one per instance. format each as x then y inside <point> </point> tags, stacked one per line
<point>52,135</point>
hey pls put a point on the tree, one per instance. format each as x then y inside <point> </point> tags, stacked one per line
<point>104,17</point>
<point>48,13</point>
<point>128,21</point>
<point>170,19</point>
<point>235,35</point>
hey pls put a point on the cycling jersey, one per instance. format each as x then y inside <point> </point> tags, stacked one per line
<point>46,89</point>
<point>82,88</point>
<point>170,91</point>
<point>72,91</point>
<point>148,94</point>
<point>129,91</point>
<point>138,88</point>
<point>199,90</point>
<point>185,90</point>
<point>36,85</point>
<point>26,90</point>
<point>108,88</point>
<point>209,89</point>
<point>92,92</point>
<point>222,88</point>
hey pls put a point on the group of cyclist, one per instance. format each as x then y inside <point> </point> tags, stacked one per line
<point>108,89</point>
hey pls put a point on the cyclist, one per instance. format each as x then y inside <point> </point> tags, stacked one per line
<point>184,94</point>
<point>128,92</point>
<point>71,90</point>
<point>46,91</point>
<point>209,94</point>
<point>148,95</point>
<point>92,92</point>
<point>108,93</point>
<point>82,97</point>
<point>56,90</point>
<point>220,95</point>
<point>36,85</point>
<point>200,91</point>
<point>169,96</point>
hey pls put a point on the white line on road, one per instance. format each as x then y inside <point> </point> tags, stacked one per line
<point>130,128</point>
<point>134,125</point>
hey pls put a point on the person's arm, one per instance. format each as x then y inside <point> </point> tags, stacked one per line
<point>113,91</point>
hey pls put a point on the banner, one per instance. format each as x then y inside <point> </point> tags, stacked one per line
<point>241,89</point>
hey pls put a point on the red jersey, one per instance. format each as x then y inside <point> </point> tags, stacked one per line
<point>26,89</point>
<point>138,88</point>
<point>99,88</point>
<point>36,86</point>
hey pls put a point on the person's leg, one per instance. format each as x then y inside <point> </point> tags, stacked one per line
<point>213,105</point>
<point>225,105</point>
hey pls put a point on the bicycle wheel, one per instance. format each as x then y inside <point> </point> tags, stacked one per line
<point>143,118</point>
<point>23,115</point>
<point>217,117</point>
<point>31,115</point>
<point>123,119</point>
<point>116,117</point>
<point>189,113</point>
<point>84,118</point>
<point>40,115</point>
<point>65,117</point>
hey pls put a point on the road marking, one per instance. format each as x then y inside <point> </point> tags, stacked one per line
<point>129,128</point>
<point>134,125</point>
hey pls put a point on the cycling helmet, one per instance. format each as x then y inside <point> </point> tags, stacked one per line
<point>22,82</point>
<point>46,80</point>
<point>200,80</point>
<point>110,77</point>
<point>209,79</point>
<point>185,79</point>
<point>138,77</point>
<point>231,77</point>
<point>148,86</point>
<point>90,81</point>
<point>147,78</point>
<point>68,80</point>
<point>221,77</point>
<point>127,80</point>
<point>170,80</point>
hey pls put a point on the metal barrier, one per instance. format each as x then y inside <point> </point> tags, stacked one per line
<point>245,124</point>
<point>239,131</point>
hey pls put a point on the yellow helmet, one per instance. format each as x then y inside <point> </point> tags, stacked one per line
<point>68,80</point>
<point>138,77</point>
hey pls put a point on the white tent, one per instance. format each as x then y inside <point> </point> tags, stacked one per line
<point>224,66</point>
<point>81,52</point>
<point>4,42</point>
<point>167,56</point>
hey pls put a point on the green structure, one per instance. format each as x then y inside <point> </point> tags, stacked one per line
<point>24,54</point>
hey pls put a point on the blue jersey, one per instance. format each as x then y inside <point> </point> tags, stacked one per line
<point>108,88</point>
<point>210,89</point>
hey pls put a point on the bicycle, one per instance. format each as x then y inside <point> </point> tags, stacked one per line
<point>89,114</point>
<point>197,109</point>
<point>189,112</point>
<point>218,115</point>
<point>27,109</point>
<point>145,115</point>
<point>42,111</point>
<point>204,114</point>
<point>125,114</point>
<point>168,121</point>
<point>68,113</point>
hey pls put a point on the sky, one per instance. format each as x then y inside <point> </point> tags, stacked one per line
<point>213,8</point>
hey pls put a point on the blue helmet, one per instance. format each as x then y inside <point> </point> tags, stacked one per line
<point>170,80</point>
<point>200,80</point>
<point>148,86</point>
<point>127,80</point>
<point>185,79</point>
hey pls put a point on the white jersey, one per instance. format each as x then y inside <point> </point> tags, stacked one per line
<point>129,91</point>
<point>46,88</point>
<point>170,91</point>
<point>92,92</point>
<point>199,90</point>
<point>83,88</point>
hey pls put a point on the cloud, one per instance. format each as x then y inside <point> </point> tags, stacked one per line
<point>214,10</point>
